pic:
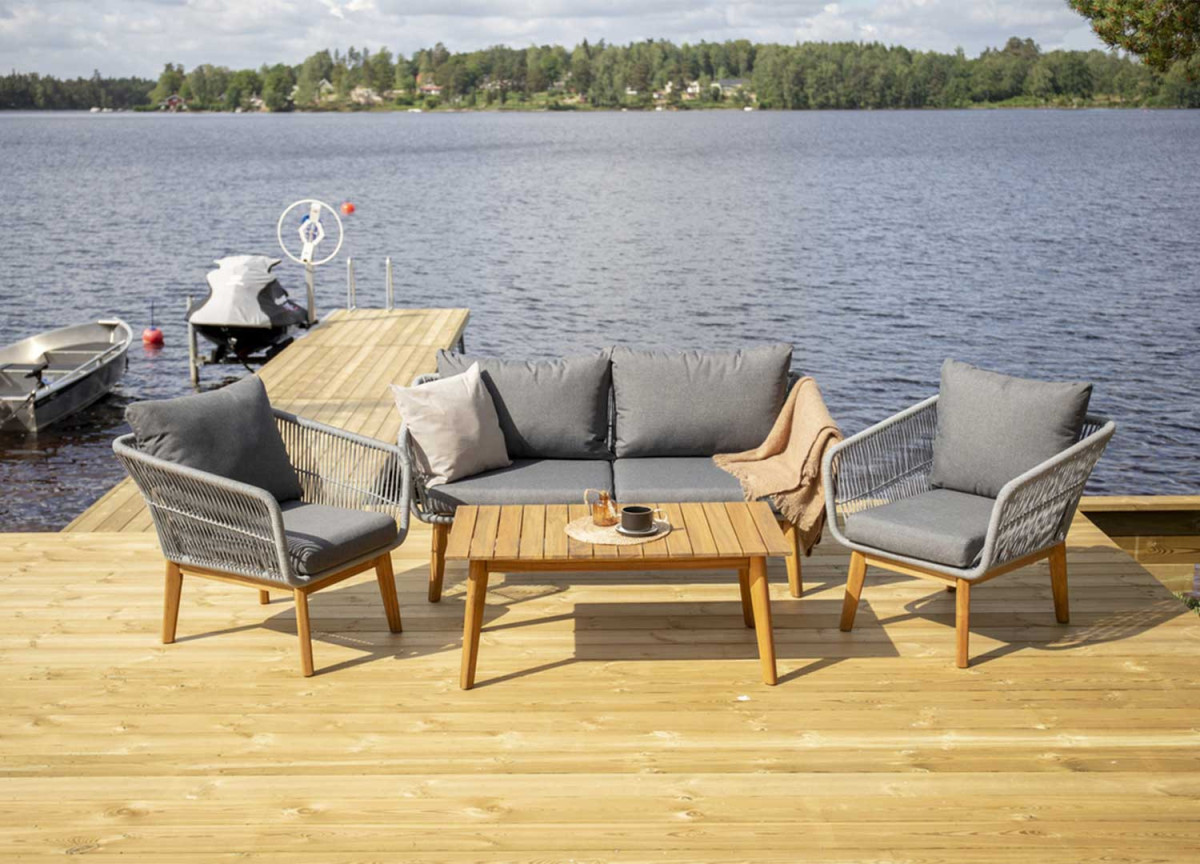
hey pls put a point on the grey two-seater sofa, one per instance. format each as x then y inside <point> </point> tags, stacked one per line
<point>643,425</point>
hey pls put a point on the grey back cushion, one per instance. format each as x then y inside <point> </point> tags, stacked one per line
<point>697,403</point>
<point>229,432</point>
<point>548,409</point>
<point>993,427</point>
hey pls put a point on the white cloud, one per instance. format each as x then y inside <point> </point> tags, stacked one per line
<point>121,37</point>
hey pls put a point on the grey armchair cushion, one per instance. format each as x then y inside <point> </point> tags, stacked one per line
<point>320,538</point>
<point>941,526</point>
<point>548,409</point>
<point>529,481</point>
<point>673,478</point>
<point>697,403</point>
<point>993,427</point>
<point>229,432</point>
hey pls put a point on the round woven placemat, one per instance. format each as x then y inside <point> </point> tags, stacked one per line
<point>585,530</point>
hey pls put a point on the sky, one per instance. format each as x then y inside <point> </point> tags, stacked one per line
<point>136,37</point>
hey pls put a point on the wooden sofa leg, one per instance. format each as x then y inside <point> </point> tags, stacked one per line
<point>306,658</point>
<point>1058,583</point>
<point>387,590</point>
<point>747,606</point>
<point>962,622</point>
<point>264,598</point>
<point>854,586</point>
<point>174,585</point>
<point>437,561</point>
<point>795,576</point>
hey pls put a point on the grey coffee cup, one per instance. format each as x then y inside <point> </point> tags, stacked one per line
<point>637,519</point>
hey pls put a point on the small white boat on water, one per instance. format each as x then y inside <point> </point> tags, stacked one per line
<point>55,374</point>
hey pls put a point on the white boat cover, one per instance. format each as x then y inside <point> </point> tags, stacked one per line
<point>235,287</point>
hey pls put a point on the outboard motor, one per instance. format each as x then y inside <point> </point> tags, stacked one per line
<point>247,315</point>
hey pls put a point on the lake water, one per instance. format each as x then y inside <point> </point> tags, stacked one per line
<point>1053,244</point>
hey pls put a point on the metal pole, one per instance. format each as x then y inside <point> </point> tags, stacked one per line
<point>391,291</point>
<point>312,295</point>
<point>350,286</point>
<point>193,365</point>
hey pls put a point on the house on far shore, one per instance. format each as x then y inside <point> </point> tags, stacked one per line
<point>430,89</point>
<point>173,103</point>
<point>729,85</point>
<point>365,96</point>
<point>629,91</point>
<point>256,103</point>
<point>325,90</point>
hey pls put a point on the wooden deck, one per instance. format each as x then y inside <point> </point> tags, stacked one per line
<point>337,374</point>
<point>619,717</point>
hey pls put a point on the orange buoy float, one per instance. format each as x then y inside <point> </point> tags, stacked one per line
<point>152,336</point>
<point>347,208</point>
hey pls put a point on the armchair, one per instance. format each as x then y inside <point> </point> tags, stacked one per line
<point>880,503</point>
<point>354,492</point>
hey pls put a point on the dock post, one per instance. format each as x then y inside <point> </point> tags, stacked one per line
<point>391,292</point>
<point>312,294</point>
<point>193,365</point>
<point>350,286</point>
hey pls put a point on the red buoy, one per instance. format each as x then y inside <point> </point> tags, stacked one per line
<point>152,336</point>
<point>347,208</point>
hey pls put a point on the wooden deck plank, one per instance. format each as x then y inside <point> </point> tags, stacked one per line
<point>621,712</point>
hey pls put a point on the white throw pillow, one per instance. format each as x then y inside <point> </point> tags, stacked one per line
<point>454,427</point>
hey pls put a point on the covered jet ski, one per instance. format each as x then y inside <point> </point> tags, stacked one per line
<point>247,315</point>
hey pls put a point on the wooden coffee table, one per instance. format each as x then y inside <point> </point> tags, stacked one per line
<point>530,538</point>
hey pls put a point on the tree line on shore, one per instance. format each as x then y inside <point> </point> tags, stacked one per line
<point>813,75</point>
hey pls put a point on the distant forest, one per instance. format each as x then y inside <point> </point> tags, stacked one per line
<point>640,75</point>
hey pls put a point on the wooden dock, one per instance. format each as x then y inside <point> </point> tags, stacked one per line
<point>616,717</point>
<point>337,374</point>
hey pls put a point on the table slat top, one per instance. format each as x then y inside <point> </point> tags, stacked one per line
<point>536,532</point>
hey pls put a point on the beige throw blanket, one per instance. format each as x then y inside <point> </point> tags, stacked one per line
<point>787,466</point>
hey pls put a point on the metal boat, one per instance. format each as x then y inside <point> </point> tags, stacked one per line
<point>55,374</point>
<point>247,315</point>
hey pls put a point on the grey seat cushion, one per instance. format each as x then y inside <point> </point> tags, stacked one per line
<point>529,481</point>
<point>942,526</point>
<point>548,409</point>
<point>673,478</point>
<point>320,537</point>
<point>697,403</point>
<point>993,427</point>
<point>229,432</point>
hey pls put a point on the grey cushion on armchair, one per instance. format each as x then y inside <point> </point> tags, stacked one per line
<point>993,427</point>
<point>229,432</point>
<point>941,526</point>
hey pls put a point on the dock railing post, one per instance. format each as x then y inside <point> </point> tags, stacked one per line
<point>193,364</point>
<point>391,292</point>
<point>312,294</point>
<point>350,286</point>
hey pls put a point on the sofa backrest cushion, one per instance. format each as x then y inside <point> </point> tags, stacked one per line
<point>548,409</point>
<point>454,427</point>
<point>697,403</point>
<point>229,432</point>
<point>993,427</point>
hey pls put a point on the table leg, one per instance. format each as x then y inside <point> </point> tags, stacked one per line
<point>747,606</point>
<point>477,579</point>
<point>760,598</point>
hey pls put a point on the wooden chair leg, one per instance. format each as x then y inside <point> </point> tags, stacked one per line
<point>854,586</point>
<point>1058,583</point>
<point>962,622</point>
<point>477,579</point>
<point>174,585</point>
<point>760,598</point>
<point>306,658</point>
<point>795,575</point>
<point>264,598</point>
<point>747,606</point>
<point>437,561</point>
<point>387,590</point>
